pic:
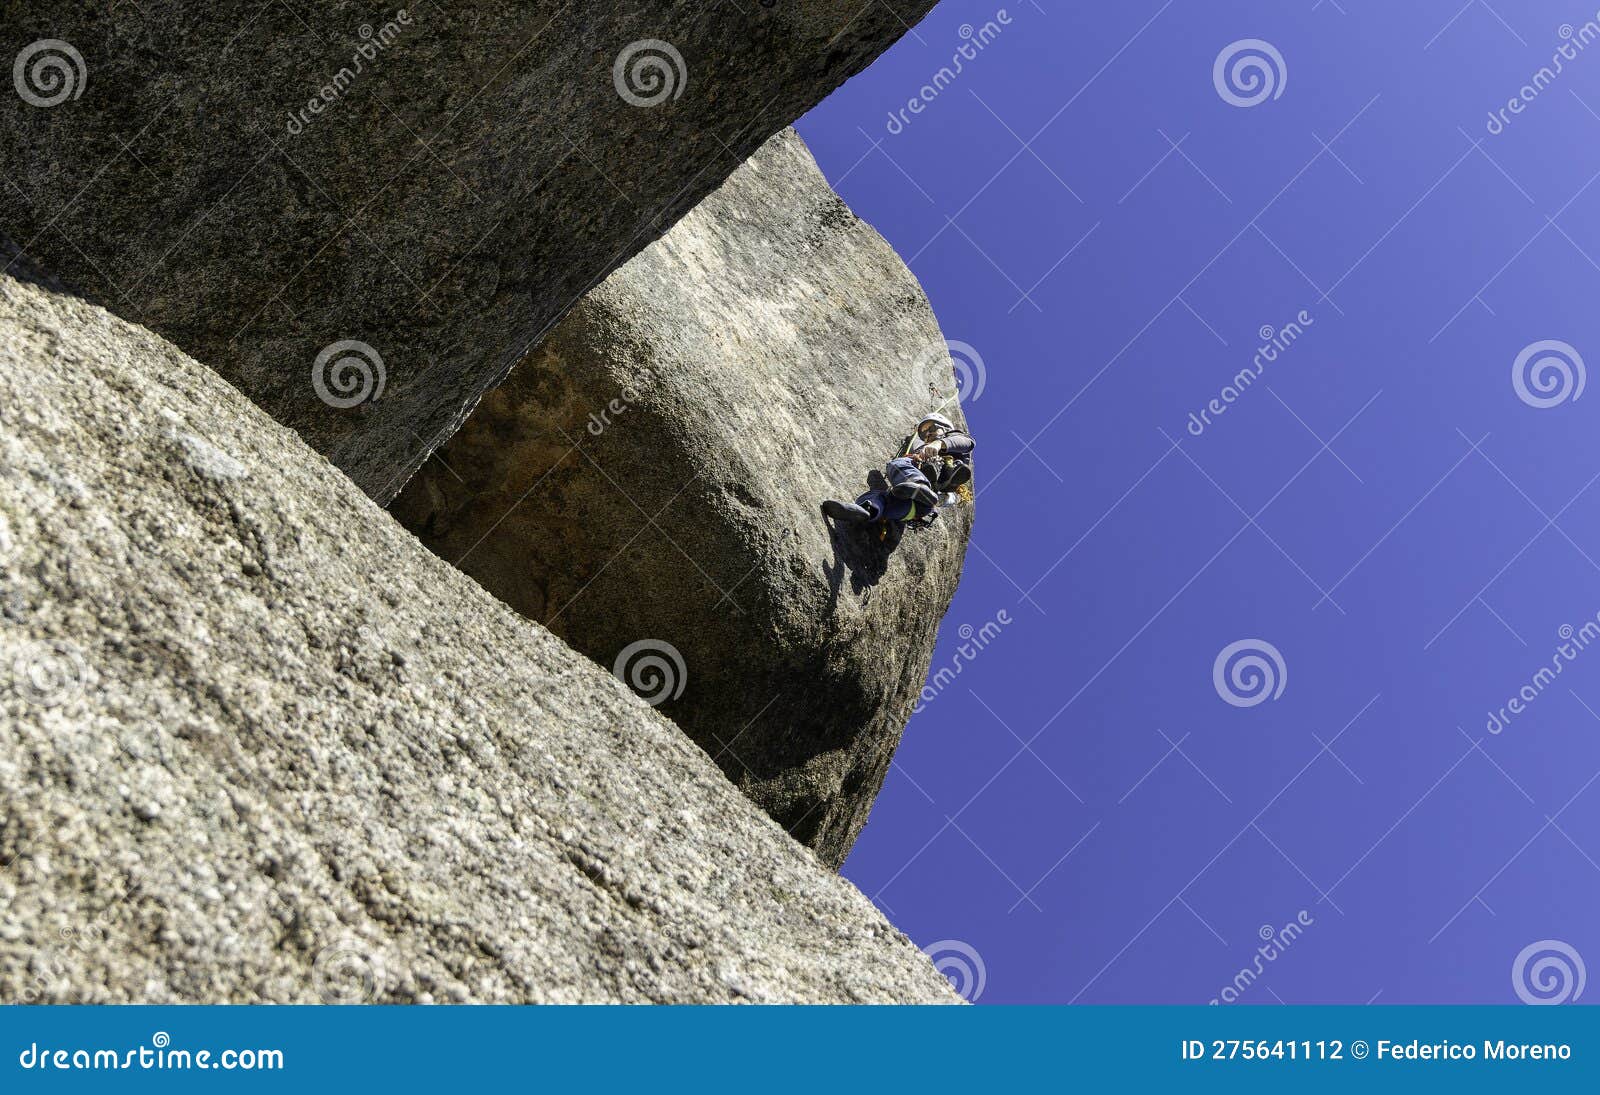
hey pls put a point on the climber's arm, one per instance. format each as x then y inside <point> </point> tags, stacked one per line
<point>957,444</point>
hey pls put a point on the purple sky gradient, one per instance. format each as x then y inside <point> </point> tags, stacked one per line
<point>1080,806</point>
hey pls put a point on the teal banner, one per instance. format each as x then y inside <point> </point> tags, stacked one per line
<point>802,1049</point>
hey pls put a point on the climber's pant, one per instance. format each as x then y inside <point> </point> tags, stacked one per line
<point>886,507</point>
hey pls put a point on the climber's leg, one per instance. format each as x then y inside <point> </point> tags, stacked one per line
<point>884,506</point>
<point>909,484</point>
<point>848,512</point>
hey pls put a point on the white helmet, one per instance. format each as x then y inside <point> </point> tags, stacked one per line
<point>939,422</point>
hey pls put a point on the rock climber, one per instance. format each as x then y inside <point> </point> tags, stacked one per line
<point>933,467</point>
<point>946,452</point>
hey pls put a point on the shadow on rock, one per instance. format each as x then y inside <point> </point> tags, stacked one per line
<point>856,549</point>
<point>861,550</point>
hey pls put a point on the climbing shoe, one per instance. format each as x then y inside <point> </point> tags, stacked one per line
<point>845,511</point>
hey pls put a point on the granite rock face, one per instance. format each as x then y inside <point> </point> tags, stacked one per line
<point>257,744</point>
<point>646,484</point>
<point>363,217</point>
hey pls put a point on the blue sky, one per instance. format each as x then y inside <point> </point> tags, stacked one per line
<point>1403,536</point>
